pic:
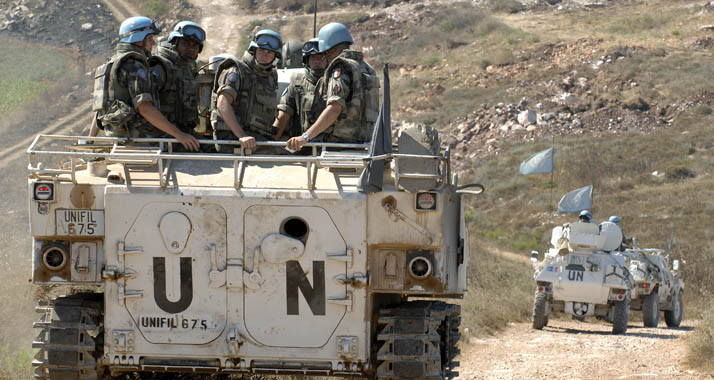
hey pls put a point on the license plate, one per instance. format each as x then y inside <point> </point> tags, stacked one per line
<point>79,222</point>
<point>577,260</point>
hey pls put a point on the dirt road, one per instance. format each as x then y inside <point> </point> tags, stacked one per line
<point>567,349</point>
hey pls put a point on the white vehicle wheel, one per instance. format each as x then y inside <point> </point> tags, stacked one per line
<point>621,314</point>
<point>540,317</point>
<point>650,309</point>
<point>673,317</point>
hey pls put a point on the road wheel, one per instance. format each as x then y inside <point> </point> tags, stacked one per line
<point>673,317</point>
<point>621,314</point>
<point>540,317</point>
<point>650,309</point>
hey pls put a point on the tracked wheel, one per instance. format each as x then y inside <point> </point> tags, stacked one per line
<point>418,340</point>
<point>70,339</point>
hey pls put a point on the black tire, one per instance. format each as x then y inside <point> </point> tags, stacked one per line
<point>650,309</point>
<point>540,305</point>
<point>621,314</point>
<point>673,317</point>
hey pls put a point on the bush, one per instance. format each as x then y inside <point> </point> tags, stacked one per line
<point>507,6</point>
<point>701,343</point>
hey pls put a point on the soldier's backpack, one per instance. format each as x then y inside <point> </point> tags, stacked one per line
<point>103,76</point>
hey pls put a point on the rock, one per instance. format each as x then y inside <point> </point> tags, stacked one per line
<point>707,28</point>
<point>548,116</point>
<point>577,123</point>
<point>527,117</point>
<point>531,128</point>
<point>567,98</point>
<point>583,82</point>
<point>86,26</point>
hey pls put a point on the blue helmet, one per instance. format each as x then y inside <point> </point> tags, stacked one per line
<point>189,30</point>
<point>614,219</point>
<point>269,40</point>
<point>585,214</point>
<point>333,34</point>
<point>135,29</point>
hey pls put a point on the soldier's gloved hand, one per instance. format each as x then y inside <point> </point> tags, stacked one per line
<point>248,142</point>
<point>189,142</point>
<point>295,143</point>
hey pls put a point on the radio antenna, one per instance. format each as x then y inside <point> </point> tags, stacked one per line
<point>314,19</point>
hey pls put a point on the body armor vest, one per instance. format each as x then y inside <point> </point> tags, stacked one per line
<point>309,102</point>
<point>179,95</point>
<point>256,105</point>
<point>356,122</point>
<point>112,101</point>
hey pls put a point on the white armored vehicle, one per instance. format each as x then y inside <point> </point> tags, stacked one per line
<point>244,264</point>
<point>656,287</point>
<point>579,276</point>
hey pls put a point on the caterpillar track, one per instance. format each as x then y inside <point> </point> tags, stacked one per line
<point>418,340</point>
<point>70,339</point>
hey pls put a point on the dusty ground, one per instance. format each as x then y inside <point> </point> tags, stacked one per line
<point>567,349</point>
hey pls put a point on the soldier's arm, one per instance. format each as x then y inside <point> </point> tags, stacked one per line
<point>94,129</point>
<point>225,109</point>
<point>281,122</point>
<point>156,118</point>
<point>286,111</point>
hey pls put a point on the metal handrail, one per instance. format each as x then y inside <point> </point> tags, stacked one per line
<point>157,155</point>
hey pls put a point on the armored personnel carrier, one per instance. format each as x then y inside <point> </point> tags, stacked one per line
<point>657,288</point>
<point>242,264</point>
<point>579,276</point>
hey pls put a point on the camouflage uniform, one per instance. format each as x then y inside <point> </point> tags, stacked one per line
<point>353,84</point>
<point>303,100</point>
<point>177,84</point>
<point>254,103</point>
<point>130,85</point>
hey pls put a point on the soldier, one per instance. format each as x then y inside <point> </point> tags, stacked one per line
<point>351,92</point>
<point>585,216</point>
<point>125,100</point>
<point>175,73</point>
<point>244,103</point>
<point>302,100</point>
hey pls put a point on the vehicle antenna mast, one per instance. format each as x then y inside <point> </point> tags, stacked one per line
<point>314,19</point>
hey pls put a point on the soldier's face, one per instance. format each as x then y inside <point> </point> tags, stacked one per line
<point>264,56</point>
<point>149,43</point>
<point>317,62</point>
<point>187,48</point>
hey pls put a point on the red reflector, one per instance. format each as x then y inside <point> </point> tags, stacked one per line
<point>540,289</point>
<point>43,188</point>
<point>619,297</point>
<point>644,285</point>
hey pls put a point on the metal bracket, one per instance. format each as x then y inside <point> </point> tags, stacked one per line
<point>123,293</point>
<point>111,272</point>
<point>216,278</point>
<point>345,256</point>
<point>234,341</point>
<point>345,300</point>
<point>123,251</point>
<point>355,280</point>
<point>123,340</point>
<point>347,346</point>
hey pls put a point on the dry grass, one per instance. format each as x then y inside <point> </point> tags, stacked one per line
<point>701,349</point>
<point>500,291</point>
